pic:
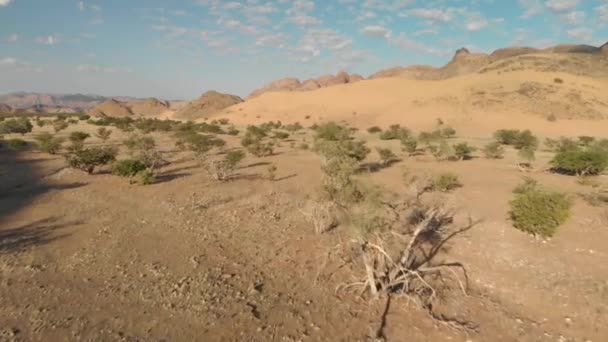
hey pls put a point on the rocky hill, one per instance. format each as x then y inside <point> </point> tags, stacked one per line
<point>111,108</point>
<point>209,103</point>
<point>294,84</point>
<point>5,109</point>
<point>151,107</point>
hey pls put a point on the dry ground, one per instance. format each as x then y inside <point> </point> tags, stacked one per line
<point>94,258</point>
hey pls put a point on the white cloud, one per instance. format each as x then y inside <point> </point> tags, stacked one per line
<point>376,31</point>
<point>431,14</point>
<point>602,12</point>
<point>48,40</point>
<point>476,25</point>
<point>12,38</point>
<point>80,5</point>
<point>581,34</point>
<point>561,5</point>
<point>303,20</point>
<point>4,2</point>
<point>403,42</point>
<point>92,68</point>
<point>573,17</point>
<point>531,8</point>
<point>17,65</point>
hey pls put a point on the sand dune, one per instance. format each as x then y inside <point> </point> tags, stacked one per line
<point>473,103</point>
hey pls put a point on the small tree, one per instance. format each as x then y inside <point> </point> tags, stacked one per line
<point>374,129</point>
<point>103,134</point>
<point>48,143</point>
<point>581,162</point>
<point>77,139</point>
<point>464,151</point>
<point>387,156</point>
<point>395,132</point>
<point>223,169</point>
<point>494,150</point>
<point>60,125</point>
<point>87,159</point>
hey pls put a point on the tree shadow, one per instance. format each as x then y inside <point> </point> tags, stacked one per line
<point>167,177</point>
<point>373,167</point>
<point>34,234</point>
<point>286,177</point>
<point>256,164</point>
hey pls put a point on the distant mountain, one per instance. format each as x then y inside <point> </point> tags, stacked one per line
<point>35,101</point>
<point>294,84</point>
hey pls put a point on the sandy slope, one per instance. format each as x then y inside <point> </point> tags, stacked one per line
<point>472,103</point>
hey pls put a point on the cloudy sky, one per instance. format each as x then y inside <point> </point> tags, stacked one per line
<point>178,49</point>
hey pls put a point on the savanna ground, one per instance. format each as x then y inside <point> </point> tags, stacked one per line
<point>92,257</point>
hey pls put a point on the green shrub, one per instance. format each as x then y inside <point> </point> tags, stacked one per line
<point>147,177</point>
<point>464,151</point>
<point>580,162</point>
<point>78,138</point>
<point>224,121</point>
<point>48,143</point>
<point>585,140</point>
<point>260,148</point>
<point>387,156</point>
<point>232,131</point>
<point>562,144</point>
<point>281,135</point>
<point>222,170</point>
<point>60,125</point>
<point>16,144</point>
<point>17,126</point>
<point>88,159</point>
<point>516,138</point>
<point>539,212</point>
<point>395,132</point>
<point>128,167</point>
<point>293,127</point>
<point>429,137</point>
<point>506,136</point>
<point>374,129</point>
<point>211,128</point>
<point>304,146</point>
<point>494,150</point>
<point>527,154</point>
<point>448,132</point>
<point>444,182</point>
<point>331,131</point>
<point>84,117</point>
<point>409,145</point>
<point>103,134</point>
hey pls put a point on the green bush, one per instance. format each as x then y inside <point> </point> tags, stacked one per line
<point>281,135</point>
<point>494,150</point>
<point>516,138</point>
<point>444,182</point>
<point>222,170</point>
<point>211,128</point>
<point>331,131</point>
<point>147,177</point>
<point>580,162</point>
<point>16,144</point>
<point>60,125</point>
<point>387,156</point>
<point>17,126</point>
<point>585,140</point>
<point>78,137</point>
<point>49,143</point>
<point>562,144</point>
<point>409,145</point>
<point>293,127</point>
<point>260,148</point>
<point>374,129</point>
<point>539,212</point>
<point>395,132</point>
<point>232,131</point>
<point>527,154</point>
<point>429,137</point>
<point>128,167</point>
<point>448,132</point>
<point>89,158</point>
<point>103,134</point>
<point>464,151</point>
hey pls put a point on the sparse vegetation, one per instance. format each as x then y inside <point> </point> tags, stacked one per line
<point>16,126</point>
<point>409,145</point>
<point>516,138</point>
<point>223,169</point>
<point>15,144</point>
<point>87,159</point>
<point>48,143</point>
<point>464,151</point>
<point>444,182</point>
<point>387,156</point>
<point>374,129</point>
<point>103,134</point>
<point>395,132</point>
<point>538,211</point>
<point>494,150</point>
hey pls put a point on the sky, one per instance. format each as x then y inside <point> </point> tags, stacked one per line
<point>175,49</point>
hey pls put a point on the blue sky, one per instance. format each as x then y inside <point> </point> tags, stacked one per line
<point>179,49</point>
